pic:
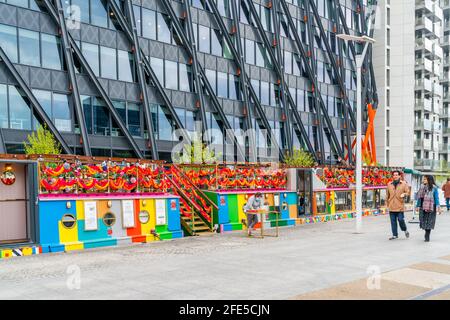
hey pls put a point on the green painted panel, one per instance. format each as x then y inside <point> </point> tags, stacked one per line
<point>165,235</point>
<point>233,209</point>
<point>236,226</point>
<point>161,229</point>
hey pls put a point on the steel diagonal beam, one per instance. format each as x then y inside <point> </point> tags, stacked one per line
<point>280,73</point>
<point>2,142</point>
<point>313,80</point>
<point>333,61</point>
<point>287,93</point>
<point>342,67</point>
<point>141,79</point>
<point>73,79</point>
<point>115,115</point>
<point>148,68</point>
<point>235,49</point>
<point>277,69</point>
<point>239,60</point>
<point>218,108</point>
<point>37,108</point>
<point>284,89</point>
<point>313,65</point>
<point>190,36</point>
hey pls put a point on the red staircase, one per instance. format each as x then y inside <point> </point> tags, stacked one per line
<point>196,213</point>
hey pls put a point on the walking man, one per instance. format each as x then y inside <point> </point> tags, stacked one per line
<point>397,191</point>
<point>446,189</point>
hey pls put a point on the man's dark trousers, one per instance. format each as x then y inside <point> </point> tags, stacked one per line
<point>400,216</point>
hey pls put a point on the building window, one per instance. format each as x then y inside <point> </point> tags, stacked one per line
<point>4,123</point>
<point>8,41</point>
<point>108,63</point>
<point>126,66</point>
<point>148,24</point>
<point>203,39</point>
<point>51,52</point>
<point>29,52</point>
<point>19,110</point>
<point>90,53</point>
<point>171,72</point>
<point>163,30</point>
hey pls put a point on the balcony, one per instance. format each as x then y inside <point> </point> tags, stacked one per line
<point>423,144</point>
<point>424,64</point>
<point>445,77</point>
<point>444,148</point>
<point>430,8</point>
<point>428,164</point>
<point>424,84</point>
<point>424,124</point>
<point>444,41</point>
<point>425,104</point>
<point>445,5</point>
<point>425,24</point>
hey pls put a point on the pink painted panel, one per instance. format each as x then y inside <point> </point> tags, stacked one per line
<point>13,208</point>
<point>13,220</point>
<point>17,190</point>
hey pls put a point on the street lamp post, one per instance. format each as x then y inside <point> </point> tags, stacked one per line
<point>359,63</point>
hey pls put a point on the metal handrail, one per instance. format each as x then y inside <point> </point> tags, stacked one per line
<point>196,187</point>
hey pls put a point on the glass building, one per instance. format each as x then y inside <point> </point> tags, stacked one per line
<point>116,77</point>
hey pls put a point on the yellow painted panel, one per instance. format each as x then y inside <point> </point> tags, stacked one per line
<point>67,235</point>
<point>293,211</point>
<point>241,201</point>
<point>6,253</point>
<point>27,251</point>
<point>150,207</point>
<point>80,210</point>
<point>333,202</point>
<point>102,208</point>
<point>74,246</point>
<point>269,199</point>
<point>150,238</point>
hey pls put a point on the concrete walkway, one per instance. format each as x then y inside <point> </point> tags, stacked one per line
<point>302,263</point>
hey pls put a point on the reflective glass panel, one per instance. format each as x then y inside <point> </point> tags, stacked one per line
<point>19,111</point>
<point>51,52</point>
<point>8,41</point>
<point>29,47</point>
<point>108,62</point>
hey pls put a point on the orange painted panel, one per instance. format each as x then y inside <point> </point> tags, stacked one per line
<point>136,231</point>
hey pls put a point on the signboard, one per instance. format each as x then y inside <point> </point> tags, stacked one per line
<point>276,200</point>
<point>128,214</point>
<point>160,205</point>
<point>90,216</point>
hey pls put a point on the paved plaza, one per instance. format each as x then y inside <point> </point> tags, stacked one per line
<point>318,261</point>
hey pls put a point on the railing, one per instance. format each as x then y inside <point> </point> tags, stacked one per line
<point>207,199</point>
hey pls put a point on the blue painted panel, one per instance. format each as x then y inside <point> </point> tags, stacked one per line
<point>284,212</point>
<point>100,243</point>
<point>227,227</point>
<point>292,198</point>
<point>101,233</point>
<point>50,213</point>
<point>173,215</point>
<point>222,203</point>
<point>177,234</point>
<point>57,248</point>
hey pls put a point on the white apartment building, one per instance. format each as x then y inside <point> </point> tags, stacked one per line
<point>411,123</point>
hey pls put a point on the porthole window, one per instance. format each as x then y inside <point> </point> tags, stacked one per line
<point>109,219</point>
<point>144,216</point>
<point>68,221</point>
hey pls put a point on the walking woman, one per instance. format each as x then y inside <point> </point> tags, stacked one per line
<point>428,204</point>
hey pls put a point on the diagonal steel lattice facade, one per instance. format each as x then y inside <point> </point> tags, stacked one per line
<point>250,64</point>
